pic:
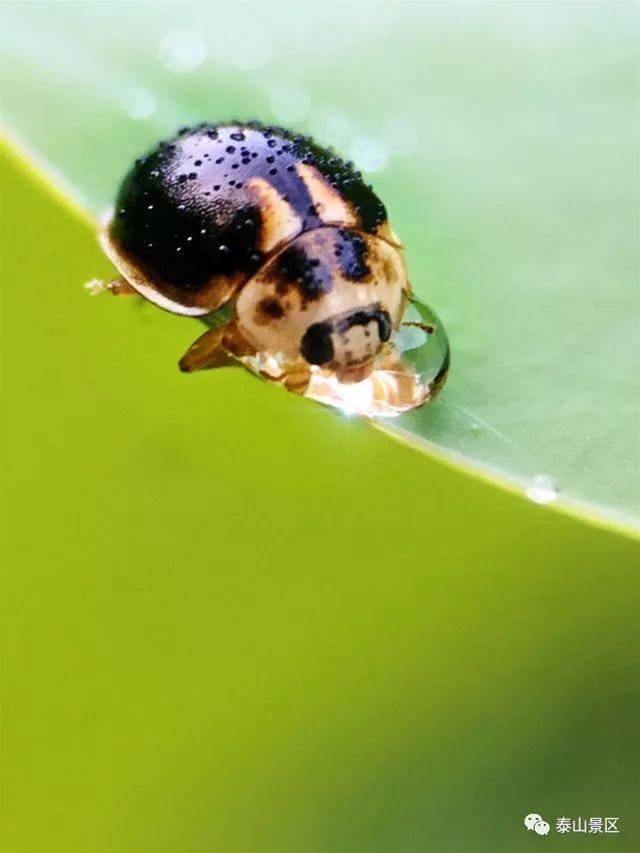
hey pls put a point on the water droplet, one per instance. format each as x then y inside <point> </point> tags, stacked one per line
<point>290,103</point>
<point>138,103</point>
<point>182,51</point>
<point>406,376</point>
<point>542,489</point>
<point>370,153</point>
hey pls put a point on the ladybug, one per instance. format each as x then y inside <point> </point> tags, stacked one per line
<point>281,230</point>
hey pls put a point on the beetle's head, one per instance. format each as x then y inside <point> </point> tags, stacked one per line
<point>348,345</point>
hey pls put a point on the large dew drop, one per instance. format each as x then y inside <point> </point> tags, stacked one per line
<point>409,372</point>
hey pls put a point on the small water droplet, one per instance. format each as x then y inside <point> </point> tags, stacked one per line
<point>138,103</point>
<point>542,489</point>
<point>182,51</point>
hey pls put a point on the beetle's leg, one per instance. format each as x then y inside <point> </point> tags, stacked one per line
<point>297,378</point>
<point>218,347</point>
<point>426,327</point>
<point>207,351</point>
<point>121,287</point>
<point>234,341</point>
<point>117,287</point>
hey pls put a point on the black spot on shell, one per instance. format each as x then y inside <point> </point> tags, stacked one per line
<point>295,268</point>
<point>351,252</point>
<point>271,309</point>
<point>316,346</point>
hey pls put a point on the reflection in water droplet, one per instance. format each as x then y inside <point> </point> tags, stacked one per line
<point>408,373</point>
<point>369,153</point>
<point>542,489</point>
<point>290,103</point>
<point>182,51</point>
<point>138,103</point>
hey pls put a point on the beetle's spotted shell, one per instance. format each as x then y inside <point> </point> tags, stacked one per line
<point>200,214</point>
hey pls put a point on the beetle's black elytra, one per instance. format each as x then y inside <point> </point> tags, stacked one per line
<point>215,200</point>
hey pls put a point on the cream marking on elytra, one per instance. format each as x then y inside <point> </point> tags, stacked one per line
<point>280,222</point>
<point>330,205</point>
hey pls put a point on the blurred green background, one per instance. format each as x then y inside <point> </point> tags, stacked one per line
<point>503,138</point>
<point>235,622</point>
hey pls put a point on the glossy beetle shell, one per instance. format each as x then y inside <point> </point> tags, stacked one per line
<point>197,217</point>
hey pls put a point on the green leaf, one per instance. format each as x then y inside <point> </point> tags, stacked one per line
<point>503,140</point>
<point>234,621</point>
